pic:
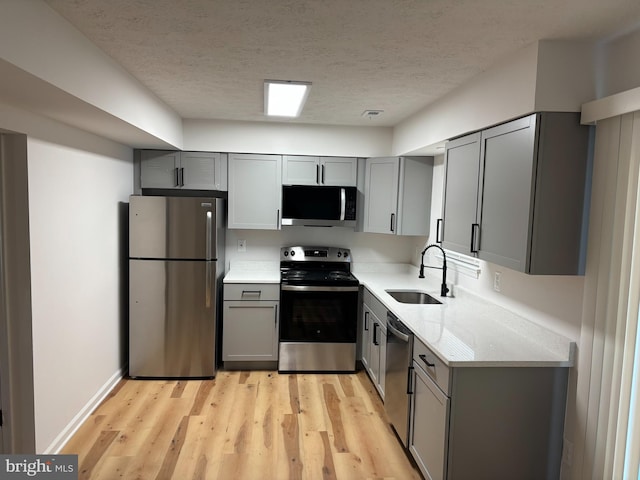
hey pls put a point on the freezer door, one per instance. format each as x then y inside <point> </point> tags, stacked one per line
<point>172,227</point>
<point>172,325</point>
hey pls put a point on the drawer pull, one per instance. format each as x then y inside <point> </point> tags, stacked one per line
<point>424,359</point>
<point>251,293</point>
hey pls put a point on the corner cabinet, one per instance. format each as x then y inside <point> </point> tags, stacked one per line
<point>485,422</point>
<point>255,191</point>
<point>183,170</point>
<point>397,195</point>
<point>374,340</point>
<point>515,194</point>
<point>250,323</point>
<point>306,170</point>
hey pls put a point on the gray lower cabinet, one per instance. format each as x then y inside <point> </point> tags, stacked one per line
<point>515,194</point>
<point>250,324</point>
<point>374,340</point>
<point>485,422</point>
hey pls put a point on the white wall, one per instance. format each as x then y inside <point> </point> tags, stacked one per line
<point>286,138</point>
<point>619,71</point>
<point>39,41</point>
<point>76,181</point>
<point>502,92</point>
<point>265,245</point>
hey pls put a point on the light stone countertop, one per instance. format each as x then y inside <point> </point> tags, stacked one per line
<point>465,331</point>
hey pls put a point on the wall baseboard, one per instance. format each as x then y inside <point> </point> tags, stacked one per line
<point>72,427</point>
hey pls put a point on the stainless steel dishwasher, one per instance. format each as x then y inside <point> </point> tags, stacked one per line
<point>399,357</point>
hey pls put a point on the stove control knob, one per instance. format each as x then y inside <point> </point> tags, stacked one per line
<point>339,254</point>
<point>346,254</point>
<point>286,253</point>
<point>293,253</point>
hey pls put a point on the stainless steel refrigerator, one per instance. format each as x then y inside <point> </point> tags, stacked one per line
<point>176,264</point>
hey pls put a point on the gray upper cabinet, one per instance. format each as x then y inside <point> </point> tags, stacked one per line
<point>462,168</point>
<point>255,191</point>
<point>307,170</point>
<point>398,195</point>
<point>530,202</point>
<point>182,170</point>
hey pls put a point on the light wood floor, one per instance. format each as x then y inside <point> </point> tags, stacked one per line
<point>242,425</point>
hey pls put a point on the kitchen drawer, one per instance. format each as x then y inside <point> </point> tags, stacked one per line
<point>432,365</point>
<point>251,291</point>
<point>375,306</point>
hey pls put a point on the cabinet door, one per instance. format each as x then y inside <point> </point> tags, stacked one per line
<point>382,336</point>
<point>200,171</point>
<point>428,425</point>
<point>462,167</point>
<point>374,349</point>
<point>338,171</point>
<point>381,195</point>
<point>366,336</point>
<point>505,205</point>
<point>250,331</point>
<point>300,170</point>
<point>159,169</point>
<point>255,190</point>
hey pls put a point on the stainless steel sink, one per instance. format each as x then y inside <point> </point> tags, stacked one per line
<point>408,296</point>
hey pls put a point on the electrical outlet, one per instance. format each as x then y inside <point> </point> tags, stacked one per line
<point>567,452</point>
<point>497,281</point>
<point>242,245</point>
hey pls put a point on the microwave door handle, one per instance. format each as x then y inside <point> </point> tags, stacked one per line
<point>343,203</point>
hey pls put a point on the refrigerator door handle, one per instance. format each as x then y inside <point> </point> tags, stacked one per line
<point>207,293</point>
<point>209,255</point>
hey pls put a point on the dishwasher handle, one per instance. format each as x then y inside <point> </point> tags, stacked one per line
<point>396,328</point>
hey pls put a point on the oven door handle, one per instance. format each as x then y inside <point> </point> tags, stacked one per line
<point>318,288</point>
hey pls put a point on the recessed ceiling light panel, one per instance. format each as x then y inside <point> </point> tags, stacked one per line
<point>284,98</point>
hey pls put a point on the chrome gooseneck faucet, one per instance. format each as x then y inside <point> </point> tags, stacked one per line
<point>443,288</point>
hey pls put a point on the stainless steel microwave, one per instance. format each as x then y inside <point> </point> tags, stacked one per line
<point>322,206</point>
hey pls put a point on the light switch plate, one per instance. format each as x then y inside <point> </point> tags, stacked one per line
<point>242,245</point>
<point>497,281</point>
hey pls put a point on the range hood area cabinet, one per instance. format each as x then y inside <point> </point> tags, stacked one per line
<point>329,171</point>
<point>397,195</point>
<point>515,194</point>
<point>255,191</point>
<point>161,169</point>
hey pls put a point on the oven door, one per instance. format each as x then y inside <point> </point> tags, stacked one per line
<point>318,314</point>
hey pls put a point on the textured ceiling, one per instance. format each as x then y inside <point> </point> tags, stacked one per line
<point>208,58</point>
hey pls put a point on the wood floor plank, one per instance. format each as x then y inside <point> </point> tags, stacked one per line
<point>332,403</point>
<point>242,425</point>
<point>95,454</point>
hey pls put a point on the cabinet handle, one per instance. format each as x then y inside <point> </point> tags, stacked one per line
<point>474,237</point>
<point>439,231</point>
<point>424,359</point>
<point>182,177</point>
<point>393,222</point>
<point>177,176</point>
<point>409,380</point>
<point>275,320</point>
<point>278,219</point>
<point>366,321</point>
<point>318,174</point>
<point>375,333</point>
<point>253,293</point>
<point>323,174</point>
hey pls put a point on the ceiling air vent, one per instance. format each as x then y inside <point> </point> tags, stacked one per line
<point>372,113</point>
